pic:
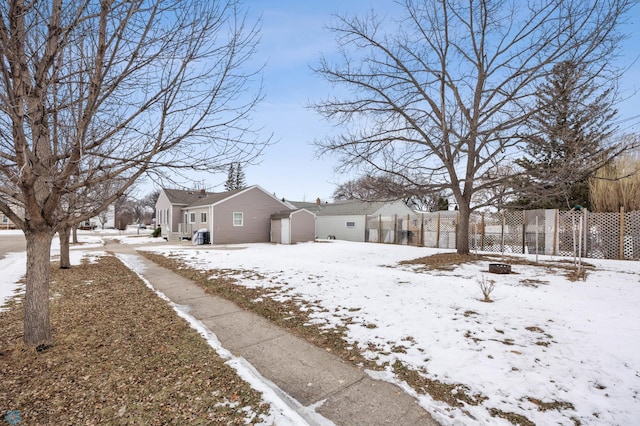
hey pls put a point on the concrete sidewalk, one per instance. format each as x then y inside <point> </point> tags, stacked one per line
<point>305,372</point>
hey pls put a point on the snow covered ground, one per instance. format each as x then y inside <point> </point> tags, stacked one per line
<point>545,339</point>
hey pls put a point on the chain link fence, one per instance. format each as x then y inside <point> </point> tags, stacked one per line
<point>551,232</point>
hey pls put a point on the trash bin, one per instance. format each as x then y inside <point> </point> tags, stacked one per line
<point>201,236</point>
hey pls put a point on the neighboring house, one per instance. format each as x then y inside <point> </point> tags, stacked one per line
<point>293,226</point>
<point>237,216</point>
<point>346,220</point>
<point>104,220</point>
<point>5,222</point>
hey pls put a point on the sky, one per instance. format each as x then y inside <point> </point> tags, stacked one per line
<point>293,37</point>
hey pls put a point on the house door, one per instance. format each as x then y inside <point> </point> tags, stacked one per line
<point>285,231</point>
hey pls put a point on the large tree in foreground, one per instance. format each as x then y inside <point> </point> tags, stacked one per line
<point>101,93</point>
<point>567,139</point>
<point>440,102</point>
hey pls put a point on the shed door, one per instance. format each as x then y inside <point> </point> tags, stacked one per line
<point>285,231</point>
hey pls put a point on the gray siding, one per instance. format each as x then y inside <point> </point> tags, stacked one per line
<point>257,207</point>
<point>303,226</point>
<point>198,224</point>
<point>170,223</point>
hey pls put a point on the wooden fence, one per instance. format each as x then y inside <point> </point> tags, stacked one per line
<point>551,232</point>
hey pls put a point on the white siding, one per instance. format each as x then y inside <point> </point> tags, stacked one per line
<point>336,226</point>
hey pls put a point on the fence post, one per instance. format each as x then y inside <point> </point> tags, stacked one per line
<point>482,232</point>
<point>524,230</point>
<point>395,228</point>
<point>556,231</point>
<point>455,230</point>
<point>366,228</point>
<point>537,242</point>
<point>621,232</point>
<point>379,228</point>
<point>585,233</point>
<point>502,234</point>
<point>422,230</point>
<point>438,231</point>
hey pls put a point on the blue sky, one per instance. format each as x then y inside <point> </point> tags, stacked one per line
<point>292,38</point>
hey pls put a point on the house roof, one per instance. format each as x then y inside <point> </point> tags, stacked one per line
<point>214,197</point>
<point>343,208</point>
<point>195,198</point>
<point>312,207</point>
<point>283,214</point>
<point>183,197</point>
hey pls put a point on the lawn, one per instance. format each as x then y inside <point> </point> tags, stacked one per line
<point>547,349</point>
<point>122,355</point>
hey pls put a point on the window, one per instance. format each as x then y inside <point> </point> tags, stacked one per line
<point>350,224</point>
<point>5,219</point>
<point>238,218</point>
<point>203,217</point>
<point>192,218</point>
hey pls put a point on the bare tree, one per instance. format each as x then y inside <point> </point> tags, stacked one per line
<point>441,101</point>
<point>92,92</point>
<point>385,187</point>
<point>75,205</point>
<point>147,205</point>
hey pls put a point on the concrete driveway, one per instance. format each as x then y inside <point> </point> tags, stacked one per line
<point>11,241</point>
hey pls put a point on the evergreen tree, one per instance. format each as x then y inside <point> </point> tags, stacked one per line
<point>568,139</point>
<point>240,181</point>
<point>231,178</point>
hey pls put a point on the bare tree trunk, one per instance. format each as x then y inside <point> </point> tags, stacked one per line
<point>37,328</point>
<point>64,234</point>
<point>462,231</point>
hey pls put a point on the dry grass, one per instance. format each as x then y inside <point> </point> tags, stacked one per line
<point>121,356</point>
<point>287,314</point>
<point>450,261</point>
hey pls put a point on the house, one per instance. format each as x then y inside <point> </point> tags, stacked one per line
<point>106,219</point>
<point>232,217</point>
<point>293,226</point>
<point>347,220</point>
<point>5,222</point>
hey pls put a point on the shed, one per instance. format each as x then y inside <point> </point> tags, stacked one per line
<point>293,226</point>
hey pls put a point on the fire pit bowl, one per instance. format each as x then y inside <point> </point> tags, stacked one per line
<point>499,268</point>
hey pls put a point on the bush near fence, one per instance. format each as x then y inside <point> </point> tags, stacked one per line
<point>551,232</point>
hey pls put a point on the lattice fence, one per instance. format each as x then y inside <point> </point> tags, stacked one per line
<point>568,233</point>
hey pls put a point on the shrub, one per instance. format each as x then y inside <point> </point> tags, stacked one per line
<point>157,232</point>
<point>486,286</point>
